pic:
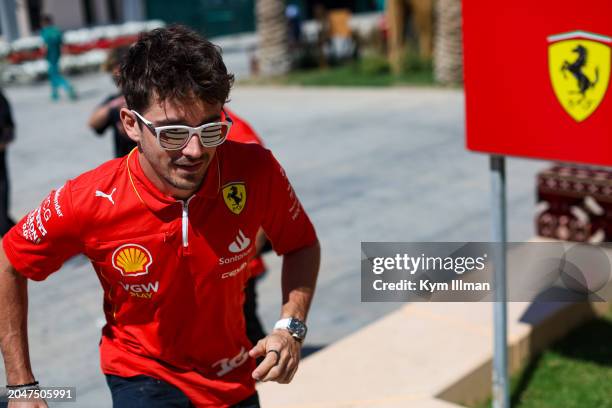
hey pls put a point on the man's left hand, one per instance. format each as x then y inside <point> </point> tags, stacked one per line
<point>282,356</point>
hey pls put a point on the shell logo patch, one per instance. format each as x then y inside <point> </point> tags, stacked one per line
<point>235,196</point>
<point>132,260</point>
<point>579,68</point>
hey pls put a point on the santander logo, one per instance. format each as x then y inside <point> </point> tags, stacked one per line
<point>240,243</point>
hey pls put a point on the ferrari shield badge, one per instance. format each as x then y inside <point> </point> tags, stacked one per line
<point>579,66</point>
<point>235,195</point>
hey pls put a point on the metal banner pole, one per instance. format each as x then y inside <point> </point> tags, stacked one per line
<point>501,395</point>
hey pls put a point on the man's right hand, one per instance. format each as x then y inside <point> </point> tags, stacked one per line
<point>118,102</point>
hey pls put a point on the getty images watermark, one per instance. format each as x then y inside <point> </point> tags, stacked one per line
<point>464,271</point>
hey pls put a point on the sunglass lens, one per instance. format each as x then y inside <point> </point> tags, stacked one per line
<point>173,138</point>
<point>214,135</point>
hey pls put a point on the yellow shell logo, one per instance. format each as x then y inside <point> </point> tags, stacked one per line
<point>132,260</point>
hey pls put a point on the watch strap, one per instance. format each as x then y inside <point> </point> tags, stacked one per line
<point>282,323</point>
<point>294,326</point>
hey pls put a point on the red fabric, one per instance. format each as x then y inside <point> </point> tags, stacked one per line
<point>173,312</point>
<point>243,132</point>
<point>257,266</point>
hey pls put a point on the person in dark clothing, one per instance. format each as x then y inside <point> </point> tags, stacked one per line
<point>107,113</point>
<point>7,134</point>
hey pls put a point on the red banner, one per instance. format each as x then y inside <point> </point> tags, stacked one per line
<point>537,78</point>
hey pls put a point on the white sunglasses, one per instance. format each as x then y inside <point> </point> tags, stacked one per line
<point>176,137</point>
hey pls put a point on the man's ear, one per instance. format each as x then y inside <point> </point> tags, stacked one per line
<point>130,124</point>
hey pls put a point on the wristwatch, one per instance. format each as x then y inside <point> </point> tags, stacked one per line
<point>295,327</point>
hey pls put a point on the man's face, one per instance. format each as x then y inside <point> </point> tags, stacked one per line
<point>178,173</point>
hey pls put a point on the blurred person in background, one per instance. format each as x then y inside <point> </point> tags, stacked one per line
<point>107,113</point>
<point>294,19</point>
<point>7,134</point>
<point>52,36</point>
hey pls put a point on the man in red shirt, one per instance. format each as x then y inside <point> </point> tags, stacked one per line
<point>170,230</point>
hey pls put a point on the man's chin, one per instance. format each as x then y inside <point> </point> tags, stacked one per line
<point>187,184</point>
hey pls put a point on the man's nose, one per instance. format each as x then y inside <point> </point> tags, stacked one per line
<point>194,147</point>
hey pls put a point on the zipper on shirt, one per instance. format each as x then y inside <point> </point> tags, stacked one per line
<point>185,221</point>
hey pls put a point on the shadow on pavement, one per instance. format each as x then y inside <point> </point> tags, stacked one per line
<point>307,351</point>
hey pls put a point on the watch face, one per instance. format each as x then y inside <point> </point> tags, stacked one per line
<point>297,328</point>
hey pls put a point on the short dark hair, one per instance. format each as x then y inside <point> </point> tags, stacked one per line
<point>47,19</point>
<point>114,58</point>
<point>173,63</point>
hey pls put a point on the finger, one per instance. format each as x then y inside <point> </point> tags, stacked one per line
<point>295,363</point>
<point>279,370</point>
<point>258,350</point>
<point>285,377</point>
<point>292,366</point>
<point>293,371</point>
<point>266,365</point>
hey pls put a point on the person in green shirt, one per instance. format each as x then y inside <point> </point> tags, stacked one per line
<point>52,36</point>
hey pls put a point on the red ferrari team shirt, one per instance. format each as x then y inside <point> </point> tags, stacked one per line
<point>173,272</point>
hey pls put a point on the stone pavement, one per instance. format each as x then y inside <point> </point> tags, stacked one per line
<point>368,164</point>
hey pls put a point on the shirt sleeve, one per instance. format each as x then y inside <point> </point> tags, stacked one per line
<point>285,223</point>
<point>45,238</point>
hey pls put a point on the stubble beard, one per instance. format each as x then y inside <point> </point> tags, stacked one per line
<point>189,182</point>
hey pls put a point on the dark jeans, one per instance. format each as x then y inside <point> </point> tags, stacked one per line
<point>254,329</point>
<point>143,391</point>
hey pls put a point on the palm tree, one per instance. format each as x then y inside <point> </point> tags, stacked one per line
<point>448,43</point>
<point>273,45</point>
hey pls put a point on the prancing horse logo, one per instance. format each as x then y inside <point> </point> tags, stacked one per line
<point>579,69</point>
<point>235,196</point>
